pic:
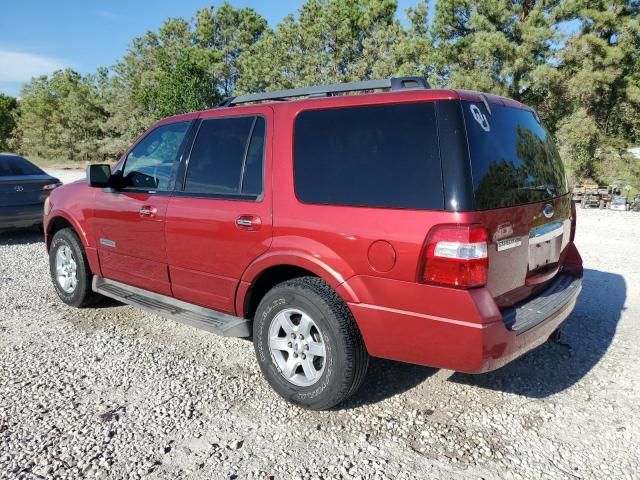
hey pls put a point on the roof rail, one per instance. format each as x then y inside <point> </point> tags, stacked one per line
<point>394,83</point>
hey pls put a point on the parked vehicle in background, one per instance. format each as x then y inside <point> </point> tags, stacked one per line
<point>618,203</point>
<point>23,190</point>
<point>331,228</point>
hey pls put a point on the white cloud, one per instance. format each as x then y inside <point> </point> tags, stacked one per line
<point>20,67</point>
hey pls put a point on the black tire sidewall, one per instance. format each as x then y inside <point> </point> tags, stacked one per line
<point>331,381</point>
<point>79,295</point>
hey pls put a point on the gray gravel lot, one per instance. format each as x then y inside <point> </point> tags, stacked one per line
<point>114,392</point>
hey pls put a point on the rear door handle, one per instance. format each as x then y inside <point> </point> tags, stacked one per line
<point>248,222</point>
<point>148,211</point>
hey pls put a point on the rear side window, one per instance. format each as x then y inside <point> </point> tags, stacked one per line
<point>12,165</point>
<point>373,156</point>
<point>227,157</point>
<point>514,160</point>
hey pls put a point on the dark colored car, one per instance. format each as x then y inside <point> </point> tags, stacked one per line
<point>423,225</point>
<point>23,190</point>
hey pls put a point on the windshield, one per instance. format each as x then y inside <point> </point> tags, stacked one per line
<point>12,166</point>
<point>513,158</point>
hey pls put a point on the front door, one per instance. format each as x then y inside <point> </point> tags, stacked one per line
<point>219,219</point>
<point>129,222</point>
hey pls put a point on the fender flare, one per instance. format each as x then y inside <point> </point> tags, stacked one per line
<point>294,258</point>
<point>74,223</point>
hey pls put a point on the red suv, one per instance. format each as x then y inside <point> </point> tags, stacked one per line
<point>423,225</point>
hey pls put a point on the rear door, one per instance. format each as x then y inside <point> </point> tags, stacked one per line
<point>129,222</point>
<point>521,195</point>
<point>219,218</point>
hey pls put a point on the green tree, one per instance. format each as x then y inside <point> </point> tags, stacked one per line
<point>8,111</point>
<point>601,69</point>
<point>330,41</point>
<point>497,46</point>
<point>61,117</point>
<point>184,66</point>
<point>226,32</point>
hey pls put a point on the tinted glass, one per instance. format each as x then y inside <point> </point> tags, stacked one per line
<point>513,158</point>
<point>218,165</point>
<point>150,163</point>
<point>252,180</point>
<point>12,165</point>
<point>376,156</point>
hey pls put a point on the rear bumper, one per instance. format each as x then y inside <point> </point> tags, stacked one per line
<point>21,216</point>
<point>474,336</point>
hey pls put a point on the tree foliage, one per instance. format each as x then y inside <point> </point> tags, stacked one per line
<point>601,66</point>
<point>8,111</point>
<point>576,61</point>
<point>61,117</point>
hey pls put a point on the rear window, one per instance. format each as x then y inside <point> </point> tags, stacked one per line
<point>373,156</point>
<point>12,165</point>
<point>513,158</point>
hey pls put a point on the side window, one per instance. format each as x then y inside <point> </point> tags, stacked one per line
<point>373,156</point>
<point>227,157</point>
<point>149,164</point>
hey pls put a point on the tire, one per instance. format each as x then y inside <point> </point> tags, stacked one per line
<point>79,294</point>
<point>337,375</point>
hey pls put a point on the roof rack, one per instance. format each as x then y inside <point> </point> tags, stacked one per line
<point>394,83</point>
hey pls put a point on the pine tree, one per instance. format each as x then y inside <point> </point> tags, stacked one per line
<point>8,111</point>
<point>601,68</point>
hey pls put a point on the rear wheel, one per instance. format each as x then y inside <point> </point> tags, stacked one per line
<point>308,345</point>
<point>70,270</point>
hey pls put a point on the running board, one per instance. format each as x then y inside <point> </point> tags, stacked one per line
<point>168,307</point>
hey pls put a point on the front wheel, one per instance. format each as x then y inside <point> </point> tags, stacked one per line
<point>308,345</point>
<point>70,270</point>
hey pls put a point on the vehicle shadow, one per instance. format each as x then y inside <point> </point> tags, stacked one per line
<point>585,338</point>
<point>20,237</point>
<point>386,378</point>
<point>107,302</point>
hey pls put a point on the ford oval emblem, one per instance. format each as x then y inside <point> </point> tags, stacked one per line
<point>548,210</point>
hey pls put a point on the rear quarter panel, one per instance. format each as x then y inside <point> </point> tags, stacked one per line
<point>344,241</point>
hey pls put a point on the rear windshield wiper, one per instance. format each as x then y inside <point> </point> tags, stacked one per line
<point>550,188</point>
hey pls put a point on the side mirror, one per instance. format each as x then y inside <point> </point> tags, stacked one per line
<point>99,176</point>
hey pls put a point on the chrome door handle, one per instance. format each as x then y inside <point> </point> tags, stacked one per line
<point>248,222</point>
<point>148,211</point>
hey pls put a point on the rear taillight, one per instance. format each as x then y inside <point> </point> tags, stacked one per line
<point>573,221</point>
<point>50,186</point>
<point>456,256</point>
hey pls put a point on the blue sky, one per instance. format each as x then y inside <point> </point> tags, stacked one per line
<point>40,36</point>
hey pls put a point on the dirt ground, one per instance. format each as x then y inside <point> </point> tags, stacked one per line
<point>114,392</point>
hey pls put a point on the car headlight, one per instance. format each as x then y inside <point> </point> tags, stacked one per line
<point>47,206</point>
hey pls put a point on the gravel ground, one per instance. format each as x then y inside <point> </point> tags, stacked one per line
<point>114,392</point>
<point>68,175</point>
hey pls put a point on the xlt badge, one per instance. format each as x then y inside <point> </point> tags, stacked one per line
<point>508,243</point>
<point>107,243</point>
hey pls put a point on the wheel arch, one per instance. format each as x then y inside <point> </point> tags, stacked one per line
<point>59,220</point>
<point>269,270</point>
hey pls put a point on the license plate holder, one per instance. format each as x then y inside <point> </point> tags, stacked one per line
<point>545,243</point>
